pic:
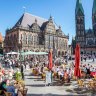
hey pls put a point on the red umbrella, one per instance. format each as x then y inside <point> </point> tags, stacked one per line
<point>50,60</point>
<point>77,72</point>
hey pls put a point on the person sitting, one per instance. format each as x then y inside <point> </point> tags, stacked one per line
<point>18,75</point>
<point>66,76</point>
<point>11,89</point>
<point>88,71</point>
<point>3,86</point>
<point>1,76</point>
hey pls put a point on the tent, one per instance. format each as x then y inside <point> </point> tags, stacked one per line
<point>28,53</point>
<point>12,53</point>
<point>33,53</point>
<point>41,53</point>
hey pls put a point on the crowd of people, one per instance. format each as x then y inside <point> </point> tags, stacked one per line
<point>11,80</point>
<point>12,76</point>
<point>64,72</point>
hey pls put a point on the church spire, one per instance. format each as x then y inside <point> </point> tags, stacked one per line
<point>94,7</point>
<point>51,19</point>
<point>79,7</point>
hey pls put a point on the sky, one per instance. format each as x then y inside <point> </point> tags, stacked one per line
<point>62,11</point>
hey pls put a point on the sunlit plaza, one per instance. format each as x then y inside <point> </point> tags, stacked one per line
<point>52,53</point>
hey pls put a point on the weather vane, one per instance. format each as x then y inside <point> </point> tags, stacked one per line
<point>24,9</point>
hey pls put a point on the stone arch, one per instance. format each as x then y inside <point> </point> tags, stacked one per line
<point>46,51</point>
<point>37,50</point>
<point>32,50</point>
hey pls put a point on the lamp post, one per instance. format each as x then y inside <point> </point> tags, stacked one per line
<point>19,49</point>
<point>67,55</point>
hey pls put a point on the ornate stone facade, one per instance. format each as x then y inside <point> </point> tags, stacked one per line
<point>86,38</point>
<point>1,41</point>
<point>36,34</point>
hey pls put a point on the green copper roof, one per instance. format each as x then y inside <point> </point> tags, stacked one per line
<point>94,7</point>
<point>79,7</point>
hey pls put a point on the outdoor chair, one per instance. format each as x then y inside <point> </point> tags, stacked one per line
<point>54,75</point>
<point>91,85</point>
<point>23,91</point>
<point>35,72</point>
<point>7,93</point>
<point>80,83</point>
<point>1,91</point>
<point>83,74</point>
<point>43,75</point>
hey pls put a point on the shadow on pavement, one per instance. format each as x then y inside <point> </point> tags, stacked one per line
<point>80,91</point>
<point>51,95</point>
<point>35,85</point>
<point>53,84</point>
<point>33,78</point>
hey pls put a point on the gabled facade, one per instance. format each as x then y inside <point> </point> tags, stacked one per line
<point>36,34</point>
<point>86,38</point>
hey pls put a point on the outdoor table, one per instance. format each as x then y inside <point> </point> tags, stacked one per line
<point>22,91</point>
<point>89,83</point>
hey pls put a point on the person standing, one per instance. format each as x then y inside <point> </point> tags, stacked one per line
<point>3,86</point>
<point>18,75</point>
<point>22,71</point>
<point>48,78</point>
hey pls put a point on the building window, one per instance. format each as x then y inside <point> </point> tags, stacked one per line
<point>35,39</point>
<point>47,38</point>
<point>29,39</point>
<point>24,38</point>
<point>21,36</point>
<point>51,38</point>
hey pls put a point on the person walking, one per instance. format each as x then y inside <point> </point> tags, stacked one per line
<point>48,79</point>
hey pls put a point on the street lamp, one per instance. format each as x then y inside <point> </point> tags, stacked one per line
<point>19,49</point>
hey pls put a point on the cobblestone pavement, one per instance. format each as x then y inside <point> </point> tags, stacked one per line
<point>36,86</point>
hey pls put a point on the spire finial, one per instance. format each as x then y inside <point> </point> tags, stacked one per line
<point>35,20</point>
<point>94,7</point>
<point>79,6</point>
<point>51,19</point>
<point>24,9</point>
<point>79,1</point>
<point>59,27</point>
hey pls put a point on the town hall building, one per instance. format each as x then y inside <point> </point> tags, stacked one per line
<point>33,33</point>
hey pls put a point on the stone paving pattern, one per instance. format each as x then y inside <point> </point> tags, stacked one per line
<point>36,86</point>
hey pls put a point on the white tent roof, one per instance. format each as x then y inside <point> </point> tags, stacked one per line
<point>9,53</point>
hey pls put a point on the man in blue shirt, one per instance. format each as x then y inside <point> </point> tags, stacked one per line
<point>11,89</point>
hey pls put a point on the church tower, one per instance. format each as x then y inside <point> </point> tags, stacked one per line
<point>94,17</point>
<point>80,24</point>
